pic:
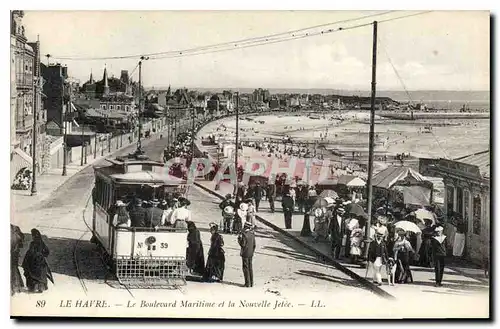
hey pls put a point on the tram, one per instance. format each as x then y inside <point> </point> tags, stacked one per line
<point>141,257</point>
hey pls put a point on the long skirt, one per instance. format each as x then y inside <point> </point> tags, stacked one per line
<point>215,267</point>
<point>425,253</point>
<point>237,224</point>
<point>36,284</point>
<point>16,281</point>
<point>403,272</point>
<point>458,244</point>
<point>321,229</point>
<point>195,259</point>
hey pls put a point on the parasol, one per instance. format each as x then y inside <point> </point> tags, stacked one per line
<point>329,193</point>
<point>356,210</point>
<point>422,214</point>
<point>324,202</point>
<point>408,226</point>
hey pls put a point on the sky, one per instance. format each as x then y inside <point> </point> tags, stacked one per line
<point>441,50</point>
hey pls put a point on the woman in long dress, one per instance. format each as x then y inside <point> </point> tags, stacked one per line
<point>425,251</point>
<point>16,243</point>
<point>214,271</point>
<point>36,269</point>
<point>195,258</point>
<point>402,255</point>
<point>356,239</point>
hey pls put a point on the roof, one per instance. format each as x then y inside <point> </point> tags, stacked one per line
<point>111,114</point>
<point>345,179</point>
<point>142,177</point>
<point>387,178</point>
<point>148,177</point>
<point>479,159</point>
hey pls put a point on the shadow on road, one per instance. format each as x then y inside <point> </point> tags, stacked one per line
<point>330,278</point>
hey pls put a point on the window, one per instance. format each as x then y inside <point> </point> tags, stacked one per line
<point>476,214</point>
<point>460,201</point>
<point>466,205</point>
<point>118,107</point>
<point>450,196</point>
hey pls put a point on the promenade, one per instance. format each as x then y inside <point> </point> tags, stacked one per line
<point>457,281</point>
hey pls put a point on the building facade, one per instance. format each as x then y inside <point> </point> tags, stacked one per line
<point>26,100</point>
<point>22,91</point>
<point>467,192</point>
<point>57,89</point>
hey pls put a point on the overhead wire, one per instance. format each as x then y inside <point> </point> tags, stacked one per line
<point>250,42</point>
<point>290,38</point>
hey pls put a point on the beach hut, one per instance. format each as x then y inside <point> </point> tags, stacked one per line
<point>403,183</point>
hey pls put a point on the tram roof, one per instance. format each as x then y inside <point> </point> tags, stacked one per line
<point>140,177</point>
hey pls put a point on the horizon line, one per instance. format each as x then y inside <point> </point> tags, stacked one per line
<point>317,88</point>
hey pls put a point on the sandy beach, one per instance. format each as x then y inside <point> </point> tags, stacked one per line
<point>348,132</point>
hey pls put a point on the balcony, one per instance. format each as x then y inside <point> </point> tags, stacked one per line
<point>24,80</point>
<point>25,124</point>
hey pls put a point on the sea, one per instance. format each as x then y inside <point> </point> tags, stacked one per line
<point>441,99</point>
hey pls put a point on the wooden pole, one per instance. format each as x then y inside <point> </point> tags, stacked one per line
<point>236,141</point>
<point>372,137</point>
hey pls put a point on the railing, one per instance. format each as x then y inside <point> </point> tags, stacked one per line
<point>23,79</point>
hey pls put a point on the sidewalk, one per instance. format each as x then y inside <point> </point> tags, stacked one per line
<point>454,281</point>
<point>51,180</point>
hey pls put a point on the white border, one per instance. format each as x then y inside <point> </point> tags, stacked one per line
<point>204,5</point>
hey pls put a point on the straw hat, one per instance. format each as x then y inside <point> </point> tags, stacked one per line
<point>439,229</point>
<point>243,207</point>
<point>120,203</point>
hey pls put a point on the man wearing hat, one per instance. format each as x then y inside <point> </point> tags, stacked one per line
<point>335,229</point>
<point>154,214</point>
<point>246,240</point>
<point>137,214</point>
<point>439,253</point>
<point>287,204</point>
<point>227,213</point>
<point>377,255</point>
<point>271,195</point>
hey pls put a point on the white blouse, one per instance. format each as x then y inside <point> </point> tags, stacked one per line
<point>181,214</point>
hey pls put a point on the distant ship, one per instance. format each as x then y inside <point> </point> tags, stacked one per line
<point>314,117</point>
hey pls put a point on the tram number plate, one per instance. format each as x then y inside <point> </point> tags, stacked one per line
<point>163,245</point>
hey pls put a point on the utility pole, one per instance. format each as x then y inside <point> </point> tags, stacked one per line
<point>168,129</point>
<point>36,105</point>
<point>140,100</point>
<point>65,141</point>
<point>95,144</point>
<point>192,132</point>
<point>372,137</point>
<point>83,144</point>
<point>236,141</point>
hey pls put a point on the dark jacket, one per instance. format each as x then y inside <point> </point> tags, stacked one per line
<point>271,191</point>
<point>287,203</point>
<point>438,249</point>
<point>377,250</point>
<point>258,192</point>
<point>137,216</point>
<point>246,241</point>
<point>152,217</point>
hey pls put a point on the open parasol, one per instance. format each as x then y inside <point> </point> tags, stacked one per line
<point>323,202</point>
<point>329,193</point>
<point>356,210</point>
<point>422,214</point>
<point>408,226</point>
